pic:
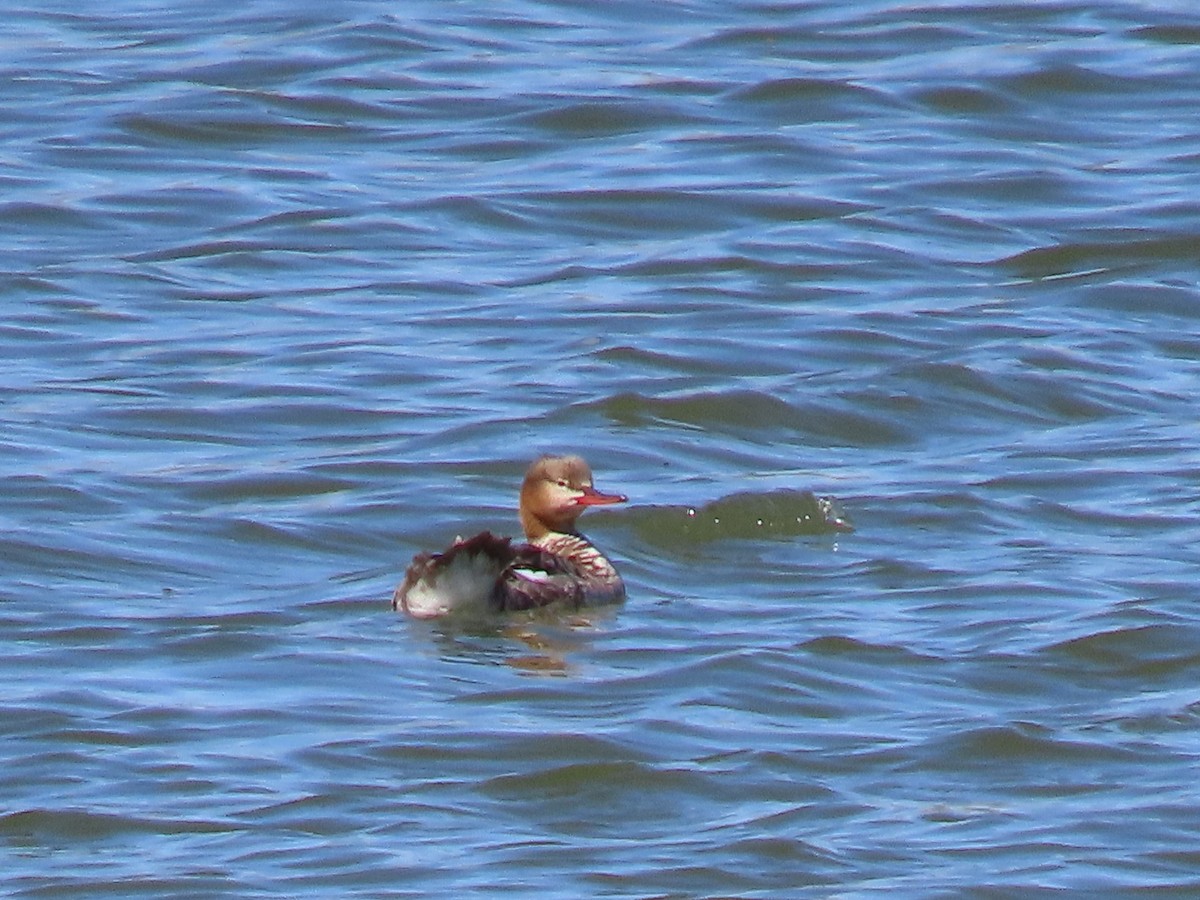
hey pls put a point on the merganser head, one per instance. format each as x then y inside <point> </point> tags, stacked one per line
<point>556,491</point>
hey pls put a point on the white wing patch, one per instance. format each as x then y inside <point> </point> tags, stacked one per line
<point>534,575</point>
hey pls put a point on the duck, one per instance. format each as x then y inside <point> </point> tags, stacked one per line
<point>554,564</point>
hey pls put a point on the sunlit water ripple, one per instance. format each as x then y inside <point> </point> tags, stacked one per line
<point>294,291</point>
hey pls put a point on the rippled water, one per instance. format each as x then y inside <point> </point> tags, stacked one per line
<point>293,291</point>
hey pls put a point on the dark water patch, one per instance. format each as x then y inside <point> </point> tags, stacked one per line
<point>1141,301</point>
<point>1112,520</point>
<point>684,365</point>
<point>384,39</point>
<point>482,212</point>
<point>899,574</point>
<point>250,72</point>
<point>177,207</point>
<point>1057,359</point>
<point>551,750</point>
<point>745,265</point>
<point>326,108</point>
<point>1162,719</point>
<point>1091,456</point>
<point>1010,749</point>
<point>252,487</point>
<point>1154,652</point>
<point>827,35</point>
<point>293,220</point>
<point>854,650</point>
<point>629,212</point>
<point>225,295</point>
<point>966,388</point>
<point>318,815</point>
<point>497,149</point>
<point>90,562</point>
<point>602,799</point>
<point>25,214</point>
<point>258,250</point>
<point>957,395</point>
<point>1180,33</point>
<point>612,783</point>
<point>687,268</point>
<point>809,99</point>
<point>728,879</point>
<point>1085,258</point>
<point>956,100</point>
<point>82,738</point>
<point>40,493</point>
<point>29,284</point>
<point>692,210</point>
<point>769,687</point>
<point>1062,82</point>
<point>1179,347</point>
<point>755,852</point>
<point>603,118</point>
<point>297,536</point>
<point>87,637</point>
<point>67,825</point>
<point>217,645</point>
<point>231,129</point>
<point>756,415</point>
<point>237,420</point>
<point>942,512</point>
<point>978,189</point>
<point>743,516</point>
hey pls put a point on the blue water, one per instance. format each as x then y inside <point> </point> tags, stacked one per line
<point>294,291</point>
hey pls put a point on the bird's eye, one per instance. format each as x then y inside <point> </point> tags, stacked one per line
<point>562,483</point>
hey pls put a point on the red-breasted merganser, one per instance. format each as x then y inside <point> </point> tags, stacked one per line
<point>556,563</point>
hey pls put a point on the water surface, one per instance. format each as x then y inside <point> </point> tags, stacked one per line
<point>293,291</point>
